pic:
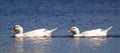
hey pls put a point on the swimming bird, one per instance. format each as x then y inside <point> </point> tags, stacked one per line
<point>95,32</point>
<point>35,33</point>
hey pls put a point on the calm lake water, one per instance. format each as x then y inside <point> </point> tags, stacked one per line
<point>63,14</point>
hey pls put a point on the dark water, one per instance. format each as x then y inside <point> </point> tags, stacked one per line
<point>35,14</point>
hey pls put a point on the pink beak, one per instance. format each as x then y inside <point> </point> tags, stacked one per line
<point>13,30</point>
<point>69,30</point>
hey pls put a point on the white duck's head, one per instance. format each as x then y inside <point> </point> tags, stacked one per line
<point>17,29</point>
<point>75,31</point>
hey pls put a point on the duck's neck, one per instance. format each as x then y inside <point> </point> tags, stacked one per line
<point>20,32</point>
<point>76,33</point>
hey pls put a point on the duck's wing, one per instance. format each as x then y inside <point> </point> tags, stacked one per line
<point>34,32</point>
<point>91,32</point>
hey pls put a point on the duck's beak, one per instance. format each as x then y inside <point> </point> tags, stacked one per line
<point>69,30</point>
<point>13,30</point>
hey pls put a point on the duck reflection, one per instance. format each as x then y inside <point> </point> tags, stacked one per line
<point>76,41</point>
<point>90,41</point>
<point>39,40</point>
<point>31,45</point>
<point>96,41</point>
<point>18,43</point>
<point>37,45</point>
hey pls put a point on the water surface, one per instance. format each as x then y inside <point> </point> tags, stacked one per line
<point>35,14</point>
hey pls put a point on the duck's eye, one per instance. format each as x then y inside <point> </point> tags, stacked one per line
<point>17,26</point>
<point>73,28</point>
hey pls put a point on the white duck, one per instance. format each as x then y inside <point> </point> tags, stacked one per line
<point>95,32</point>
<point>35,33</point>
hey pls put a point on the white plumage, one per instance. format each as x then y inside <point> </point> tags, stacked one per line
<point>35,33</point>
<point>95,32</point>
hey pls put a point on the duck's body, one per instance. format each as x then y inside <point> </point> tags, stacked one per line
<point>95,32</point>
<point>39,33</point>
<point>35,33</point>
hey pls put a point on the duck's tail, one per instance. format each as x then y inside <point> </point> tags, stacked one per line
<point>108,29</point>
<point>53,29</point>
